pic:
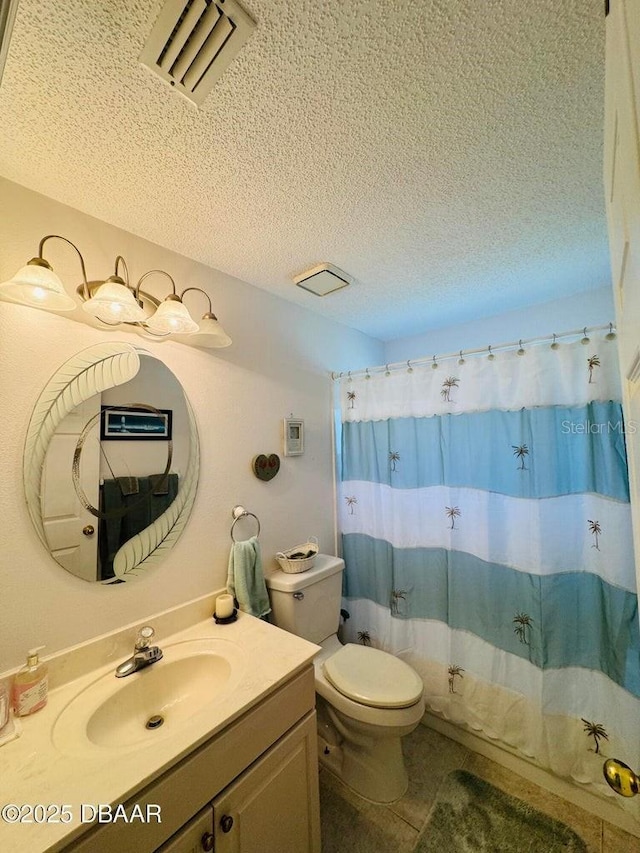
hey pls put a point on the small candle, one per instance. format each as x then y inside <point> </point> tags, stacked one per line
<point>224,606</point>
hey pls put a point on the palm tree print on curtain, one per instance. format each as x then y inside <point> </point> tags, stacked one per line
<point>397,595</point>
<point>351,397</point>
<point>351,501</point>
<point>522,622</point>
<point>447,387</point>
<point>521,451</point>
<point>364,637</point>
<point>394,457</point>
<point>596,731</point>
<point>453,672</point>
<point>592,363</point>
<point>595,530</point>
<point>453,512</point>
<point>515,595</point>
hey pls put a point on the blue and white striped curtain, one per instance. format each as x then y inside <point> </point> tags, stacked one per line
<point>487,538</point>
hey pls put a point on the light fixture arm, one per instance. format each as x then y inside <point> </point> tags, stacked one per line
<point>162,272</point>
<point>41,258</point>
<point>209,315</point>
<point>126,269</point>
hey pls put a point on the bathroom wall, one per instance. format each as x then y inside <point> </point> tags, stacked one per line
<point>592,308</point>
<point>278,364</point>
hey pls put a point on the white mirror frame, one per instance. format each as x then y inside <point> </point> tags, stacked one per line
<point>90,372</point>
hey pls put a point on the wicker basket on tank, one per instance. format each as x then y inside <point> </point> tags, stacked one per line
<point>298,559</point>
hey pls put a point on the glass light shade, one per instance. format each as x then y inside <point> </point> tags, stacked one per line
<point>170,317</point>
<point>210,334</point>
<point>39,287</point>
<point>114,303</point>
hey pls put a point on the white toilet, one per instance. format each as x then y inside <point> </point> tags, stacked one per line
<point>367,698</point>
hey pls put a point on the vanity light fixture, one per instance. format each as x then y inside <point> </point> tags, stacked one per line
<point>114,301</point>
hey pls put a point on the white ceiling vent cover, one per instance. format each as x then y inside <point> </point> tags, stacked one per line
<point>323,279</point>
<point>193,41</point>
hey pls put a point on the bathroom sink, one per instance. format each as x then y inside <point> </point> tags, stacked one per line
<point>124,714</point>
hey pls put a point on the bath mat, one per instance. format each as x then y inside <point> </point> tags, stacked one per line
<point>471,816</point>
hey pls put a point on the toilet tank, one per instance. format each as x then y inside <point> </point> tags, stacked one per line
<point>308,603</point>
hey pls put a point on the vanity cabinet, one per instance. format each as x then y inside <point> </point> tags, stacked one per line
<point>252,788</point>
<point>268,808</point>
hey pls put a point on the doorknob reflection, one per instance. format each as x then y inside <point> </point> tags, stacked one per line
<point>621,778</point>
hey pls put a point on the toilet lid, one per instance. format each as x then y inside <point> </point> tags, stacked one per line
<point>373,677</point>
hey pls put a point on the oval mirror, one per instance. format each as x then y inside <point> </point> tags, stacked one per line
<point>111,463</point>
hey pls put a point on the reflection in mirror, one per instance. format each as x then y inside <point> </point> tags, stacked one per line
<point>621,777</point>
<point>112,475</point>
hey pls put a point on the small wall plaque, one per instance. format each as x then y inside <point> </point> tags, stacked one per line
<point>266,467</point>
<point>293,437</point>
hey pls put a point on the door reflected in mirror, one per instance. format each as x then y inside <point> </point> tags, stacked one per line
<point>118,477</point>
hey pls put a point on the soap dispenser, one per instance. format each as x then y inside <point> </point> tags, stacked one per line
<point>31,685</point>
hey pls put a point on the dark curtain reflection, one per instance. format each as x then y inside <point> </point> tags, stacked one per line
<point>147,497</point>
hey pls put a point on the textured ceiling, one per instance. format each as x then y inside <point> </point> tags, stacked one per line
<point>445,153</point>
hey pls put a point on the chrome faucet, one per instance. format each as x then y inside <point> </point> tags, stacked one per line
<point>143,654</point>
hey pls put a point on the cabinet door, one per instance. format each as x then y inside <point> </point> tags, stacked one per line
<point>195,836</point>
<point>273,806</point>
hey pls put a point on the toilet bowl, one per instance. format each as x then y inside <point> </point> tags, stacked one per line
<point>362,743</point>
<point>367,699</point>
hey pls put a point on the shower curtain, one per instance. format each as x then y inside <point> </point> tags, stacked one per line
<point>484,510</point>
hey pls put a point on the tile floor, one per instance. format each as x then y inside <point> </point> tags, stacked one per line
<point>353,825</point>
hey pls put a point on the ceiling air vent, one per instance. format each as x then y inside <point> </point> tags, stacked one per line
<point>192,43</point>
<point>323,279</point>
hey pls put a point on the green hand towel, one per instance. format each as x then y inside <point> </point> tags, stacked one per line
<point>245,580</point>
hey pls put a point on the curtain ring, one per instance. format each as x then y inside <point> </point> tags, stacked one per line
<point>409,368</point>
<point>521,350</point>
<point>585,340</point>
<point>387,371</point>
<point>434,365</point>
<point>555,344</point>
<point>611,335</point>
<point>368,376</point>
<point>461,359</point>
<point>491,356</point>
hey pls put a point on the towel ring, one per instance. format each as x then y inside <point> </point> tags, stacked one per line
<point>240,512</point>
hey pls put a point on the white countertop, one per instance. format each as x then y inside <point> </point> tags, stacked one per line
<point>33,771</point>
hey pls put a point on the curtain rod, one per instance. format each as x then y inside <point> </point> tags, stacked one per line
<point>409,364</point>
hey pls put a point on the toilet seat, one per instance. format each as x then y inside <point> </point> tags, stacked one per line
<point>373,677</point>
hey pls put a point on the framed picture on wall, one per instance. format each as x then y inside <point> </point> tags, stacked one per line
<point>130,423</point>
